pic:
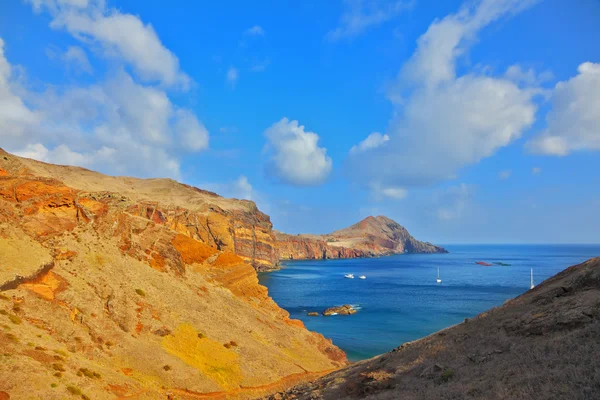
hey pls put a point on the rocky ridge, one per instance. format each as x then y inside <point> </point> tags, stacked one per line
<point>371,237</point>
<point>117,287</point>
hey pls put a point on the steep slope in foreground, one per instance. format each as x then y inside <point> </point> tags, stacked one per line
<point>123,292</point>
<point>544,344</point>
<point>371,237</point>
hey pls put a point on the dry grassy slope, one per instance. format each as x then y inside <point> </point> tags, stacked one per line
<point>544,344</point>
<point>110,297</point>
<point>373,236</point>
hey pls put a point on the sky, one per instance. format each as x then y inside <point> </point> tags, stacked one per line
<point>465,121</point>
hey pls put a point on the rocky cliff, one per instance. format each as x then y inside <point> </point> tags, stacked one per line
<point>117,287</point>
<point>371,237</point>
<point>543,344</point>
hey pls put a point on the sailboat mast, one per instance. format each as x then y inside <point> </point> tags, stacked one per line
<point>531,285</point>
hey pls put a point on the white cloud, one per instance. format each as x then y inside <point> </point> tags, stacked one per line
<point>574,120</point>
<point>527,77</point>
<point>118,126</point>
<point>446,122</point>
<point>536,170</point>
<point>232,76</point>
<point>359,15</point>
<point>295,157</point>
<point>76,57</point>
<point>192,134</point>
<point>17,121</point>
<point>256,30</point>
<point>504,175</point>
<point>453,202</point>
<point>123,36</point>
<point>373,141</point>
<point>390,192</point>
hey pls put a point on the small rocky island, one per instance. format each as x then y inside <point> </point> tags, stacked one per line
<point>346,309</point>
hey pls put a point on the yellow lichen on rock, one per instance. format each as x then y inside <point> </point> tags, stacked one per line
<point>211,358</point>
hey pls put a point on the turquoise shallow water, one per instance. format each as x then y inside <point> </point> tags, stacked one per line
<point>400,300</point>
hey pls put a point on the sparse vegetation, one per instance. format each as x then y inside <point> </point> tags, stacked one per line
<point>74,390</point>
<point>447,375</point>
<point>88,373</point>
<point>140,292</point>
<point>167,367</point>
<point>3,312</point>
<point>58,367</point>
<point>201,336</point>
<point>3,297</point>
<point>231,344</point>
<point>53,385</point>
<point>30,344</point>
<point>14,319</point>
<point>58,374</point>
<point>12,337</point>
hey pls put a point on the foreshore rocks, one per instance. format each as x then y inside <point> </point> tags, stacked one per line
<point>346,309</point>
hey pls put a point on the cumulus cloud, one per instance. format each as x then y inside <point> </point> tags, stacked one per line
<point>123,36</point>
<point>17,121</point>
<point>573,124</point>
<point>447,121</point>
<point>232,76</point>
<point>295,156</point>
<point>359,15</point>
<point>118,126</point>
<point>373,141</point>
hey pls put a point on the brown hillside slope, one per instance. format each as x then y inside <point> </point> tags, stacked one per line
<point>119,294</point>
<point>544,344</point>
<point>371,237</point>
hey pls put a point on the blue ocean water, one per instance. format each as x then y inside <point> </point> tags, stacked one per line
<point>400,300</point>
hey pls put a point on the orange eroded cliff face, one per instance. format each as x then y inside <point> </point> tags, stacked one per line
<point>119,287</point>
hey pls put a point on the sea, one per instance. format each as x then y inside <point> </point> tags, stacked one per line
<point>400,300</point>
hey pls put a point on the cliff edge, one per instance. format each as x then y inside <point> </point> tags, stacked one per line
<point>116,287</point>
<point>541,345</point>
<point>371,237</point>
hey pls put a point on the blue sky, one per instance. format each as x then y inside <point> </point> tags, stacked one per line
<point>465,121</point>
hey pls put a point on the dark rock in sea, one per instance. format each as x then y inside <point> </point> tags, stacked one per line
<point>346,309</point>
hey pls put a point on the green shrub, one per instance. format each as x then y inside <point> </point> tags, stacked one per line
<point>140,292</point>
<point>3,297</point>
<point>58,374</point>
<point>3,312</point>
<point>167,367</point>
<point>14,319</point>
<point>447,375</point>
<point>201,336</point>
<point>53,385</point>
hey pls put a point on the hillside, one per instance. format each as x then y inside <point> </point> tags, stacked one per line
<point>543,344</point>
<point>126,288</point>
<point>371,237</point>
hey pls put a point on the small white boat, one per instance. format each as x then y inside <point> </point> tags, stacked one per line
<point>438,280</point>
<point>531,285</point>
<point>349,276</point>
<point>362,277</point>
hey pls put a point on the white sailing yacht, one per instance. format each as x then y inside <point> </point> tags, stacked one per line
<point>531,285</point>
<point>438,278</point>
